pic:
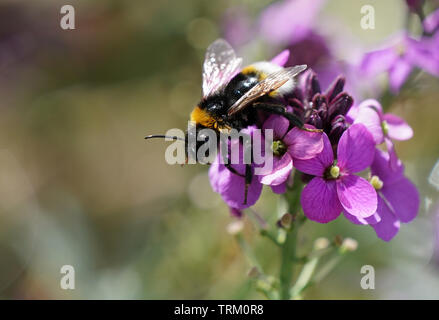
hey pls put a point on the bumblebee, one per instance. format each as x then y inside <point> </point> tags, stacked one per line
<point>233,96</point>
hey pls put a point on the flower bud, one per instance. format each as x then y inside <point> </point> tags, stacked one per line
<point>254,272</point>
<point>321,243</point>
<point>338,240</point>
<point>235,227</point>
<point>286,221</point>
<point>338,126</point>
<point>340,105</point>
<point>312,85</point>
<point>336,88</point>
<point>315,120</point>
<point>281,236</point>
<point>348,245</point>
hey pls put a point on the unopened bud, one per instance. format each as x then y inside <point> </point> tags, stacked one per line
<point>286,221</point>
<point>235,227</point>
<point>281,236</point>
<point>253,272</point>
<point>321,243</point>
<point>348,245</point>
<point>338,240</point>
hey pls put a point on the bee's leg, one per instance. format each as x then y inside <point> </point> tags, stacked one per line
<point>280,110</point>
<point>248,180</point>
<point>233,170</point>
<point>248,176</point>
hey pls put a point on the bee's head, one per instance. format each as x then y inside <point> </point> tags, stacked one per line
<point>199,141</point>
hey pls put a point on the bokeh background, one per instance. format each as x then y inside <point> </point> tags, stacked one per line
<point>80,186</point>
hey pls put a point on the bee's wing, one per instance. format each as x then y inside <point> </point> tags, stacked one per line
<point>272,82</point>
<point>220,65</point>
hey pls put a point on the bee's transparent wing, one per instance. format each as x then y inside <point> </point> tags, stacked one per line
<point>220,66</point>
<point>271,83</point>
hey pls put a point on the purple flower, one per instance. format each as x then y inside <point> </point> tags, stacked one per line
<point>282,58</point>
<point>237,25</point>
<point>289,21</point>
<point>312,51</point>
<point>431,22</point>
<point>231,186</point>
<point>383,127</point>
<point>335,187</point>
<point>398,198</point>
<point>287,146</point>
<point>400,57</point>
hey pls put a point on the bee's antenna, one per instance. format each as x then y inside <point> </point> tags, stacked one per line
<point>163,137</point>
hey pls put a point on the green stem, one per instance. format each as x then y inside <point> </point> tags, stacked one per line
<point>288,248</point>
<point>248,252</point>
<point>286,269</point>
<point>305,277</point>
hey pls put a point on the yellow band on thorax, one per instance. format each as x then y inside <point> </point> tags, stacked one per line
<point>202,117</point>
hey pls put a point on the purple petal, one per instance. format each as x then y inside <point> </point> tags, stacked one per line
<point>423,53</point>
<point>370,103</point>
<point>398,128</point>
<point>372,120</point>
<point>317,165</point>
<point>280,172</point>
<point>278,124</point>
<point>403,197</point>
<point>303,144</point>
<point>373,219</point>
<point>378,61</point>
<point>398,74</point>
<point>231,186</point>
<point>237,25</point>
<point>393,157</point>
<point>232,190</point>
<point>215,171</point>
<point>277,25</point>
<point>389,225</point>
<point>355,149</point>
<point>357,196</point>
<point>381,167</point>
<point>431,22</point>
<point>280,189</point>
<point>320,201</point>
<point>282,58</point>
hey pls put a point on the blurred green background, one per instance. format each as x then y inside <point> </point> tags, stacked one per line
<point>79,185</point>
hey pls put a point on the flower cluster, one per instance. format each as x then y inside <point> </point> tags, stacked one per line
<point>351,166</point>
<point>345,170</point>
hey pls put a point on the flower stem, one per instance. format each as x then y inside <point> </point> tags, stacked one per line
<point>286,269</point>
<point>288,248</point>
<point>248,252</point>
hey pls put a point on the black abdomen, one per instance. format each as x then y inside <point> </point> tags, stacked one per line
<point>218,105</point>
<point>239,85</point>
